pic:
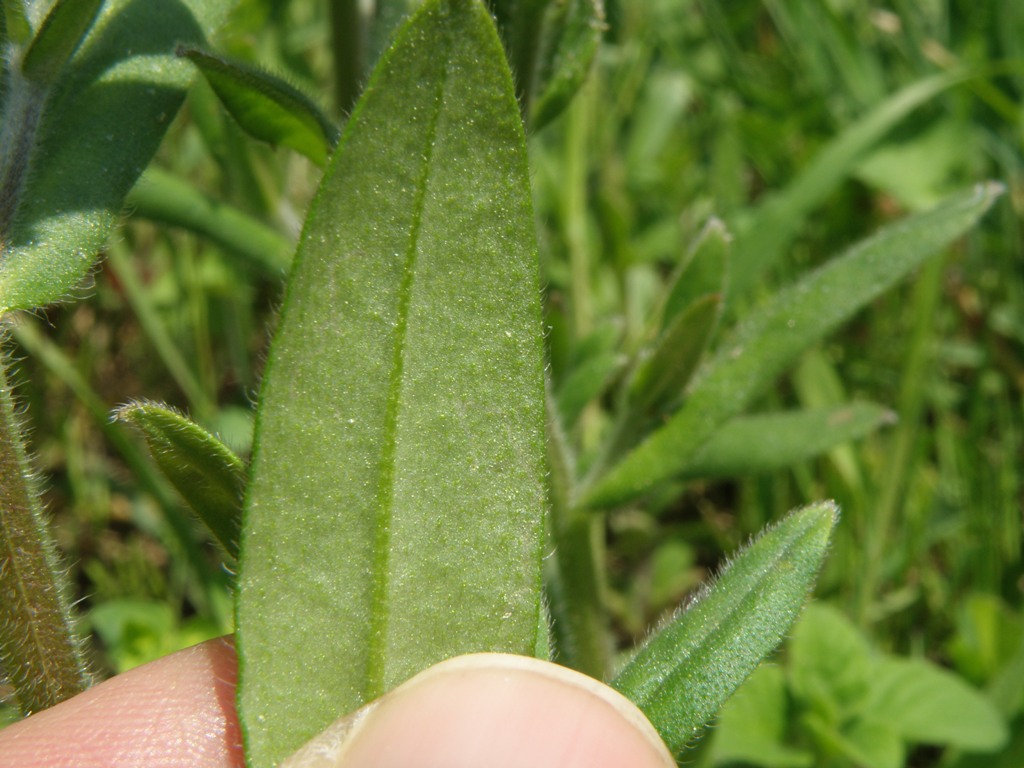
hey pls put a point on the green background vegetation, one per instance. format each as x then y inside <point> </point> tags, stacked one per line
<point>693,110</point>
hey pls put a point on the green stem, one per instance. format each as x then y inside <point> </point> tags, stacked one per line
<point>574,572</point>
<point>349,39</point>
<point>180,530</point>
<point>39,650</point>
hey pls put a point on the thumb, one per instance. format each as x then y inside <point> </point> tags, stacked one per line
<point>493,710</point>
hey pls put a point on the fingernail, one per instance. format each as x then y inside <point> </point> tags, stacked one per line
<point>498,710</point>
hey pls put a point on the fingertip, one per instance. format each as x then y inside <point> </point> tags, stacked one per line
<point>497,710</point>
<point>176,711</point>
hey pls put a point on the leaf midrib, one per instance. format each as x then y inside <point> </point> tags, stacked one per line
<point>384,502</point>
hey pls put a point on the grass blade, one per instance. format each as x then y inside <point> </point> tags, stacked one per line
<point>162,197</point>
<point>398,469</point>
<point>772,336</point>
<point>686,671</point>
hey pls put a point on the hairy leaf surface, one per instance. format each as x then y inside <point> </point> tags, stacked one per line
<point>686,671</point>
<point>394,513</point>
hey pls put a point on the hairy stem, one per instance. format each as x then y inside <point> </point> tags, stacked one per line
<point>39,652</point>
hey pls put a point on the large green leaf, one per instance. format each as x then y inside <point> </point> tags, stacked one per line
<point>394,515</point>
<point>927,704</point>
<point>752,725</point>
<point>686,671</point>
<point>100,124</point>
<point>772,336</point>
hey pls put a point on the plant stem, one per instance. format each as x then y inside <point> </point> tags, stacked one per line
<point>577,587</point>
<point>180,534</point>
<point>39,650</point>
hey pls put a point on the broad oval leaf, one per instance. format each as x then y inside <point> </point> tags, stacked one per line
<point>394,515</point>
<point>771,336</point>
<point>686,671</point>
<point>926,704</point>
<point>103,119</point>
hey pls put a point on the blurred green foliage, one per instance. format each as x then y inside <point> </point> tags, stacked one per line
<point>692,110</point>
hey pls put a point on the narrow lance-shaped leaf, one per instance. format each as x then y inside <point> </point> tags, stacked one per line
<point>59,35</point>
<point>207,474</point>
<point>702,271</point>
<point>777,221</point>
<point>266,106</point>
<point>398,469</point>
<point>771,441</point>
<point>15,22</point>
<point>569,38</point>
<point>686,671</point>
<point>104,118</point>
<point>772,336</point>
<point>661,378</point>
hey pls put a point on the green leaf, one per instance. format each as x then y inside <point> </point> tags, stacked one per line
<point>774,334</point>
<point>686,671</point>
<point>929,705</point>
<point>99,127</point>
<point>702,271</point>
<point>831,664</point>
<point>777,221</point>
<point>871,745</point>
<point>661,377</point>
<point>772,441</point>
<point>587,381</point>
<point>59,35</point>
<point>266,106</point>
<point>398,472</point>
<point>752,726</point>
<point>16,25</point>
<point>209,477</point>
<point>570,35</point>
